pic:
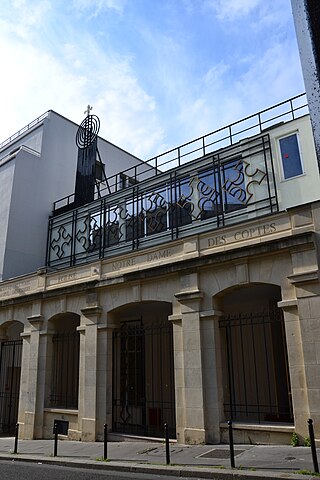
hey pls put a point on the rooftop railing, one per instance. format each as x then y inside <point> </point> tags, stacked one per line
<point>23,130</point>
<point>223,137</point>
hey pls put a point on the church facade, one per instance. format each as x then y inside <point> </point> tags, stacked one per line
<point>185,291</point>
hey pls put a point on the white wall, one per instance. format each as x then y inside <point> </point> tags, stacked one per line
<point>6,179</point>
<point>32,180</point>
<point>304,188</point>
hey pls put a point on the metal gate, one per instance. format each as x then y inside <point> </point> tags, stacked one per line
<point>143,379</point>
<point>10,369</point>
<point>255,358</point>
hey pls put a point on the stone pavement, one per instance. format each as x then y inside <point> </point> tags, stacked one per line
<point>199,461</point>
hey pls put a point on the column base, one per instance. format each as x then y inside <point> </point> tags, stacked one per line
<point>192,436</point>
<point>88,430</point>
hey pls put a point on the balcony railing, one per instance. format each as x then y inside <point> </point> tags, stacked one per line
<point>200,147</point>
<point>231,185</point>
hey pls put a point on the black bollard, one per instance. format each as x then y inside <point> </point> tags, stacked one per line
<point>231,444</point>
<point>16,439</point>
<point>55,431</point>
<point>105,444</point>
<point>166,434</point>
<point>313,446</point>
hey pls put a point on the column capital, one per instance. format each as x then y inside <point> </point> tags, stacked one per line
<point>94,310</point>
<point>288,304</point>
<point>189,296</point>
<point>36,321</point>
<point>211,314</point>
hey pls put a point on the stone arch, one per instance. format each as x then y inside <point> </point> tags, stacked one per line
<point>255,374</point>
<point>241,296</point>
<point>64,322</point>
<point>147,309</point>
<point>11,330</point>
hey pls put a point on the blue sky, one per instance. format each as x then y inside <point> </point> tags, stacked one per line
<point>157,72</point>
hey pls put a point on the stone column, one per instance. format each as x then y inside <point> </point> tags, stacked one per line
<point>104,377</point>
<point>188,369</point>
<point>88,372</point>
<point>309,313</point>
<point>302,321</point>
<point>299,393</point>
<point>212,374</point>
<point>30,414</point>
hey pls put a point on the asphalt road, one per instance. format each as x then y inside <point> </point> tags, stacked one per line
<point>13,470</point>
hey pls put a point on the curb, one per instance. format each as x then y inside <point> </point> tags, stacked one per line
<point>173,470</point>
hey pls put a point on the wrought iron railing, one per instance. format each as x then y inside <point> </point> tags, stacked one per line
<point>223,137</point>
<point>234,184</point>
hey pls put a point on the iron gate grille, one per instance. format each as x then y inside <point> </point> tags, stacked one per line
<point>143,379</point>
<point>255,356</point>
<point>10,369</point>
<point>65,370</point>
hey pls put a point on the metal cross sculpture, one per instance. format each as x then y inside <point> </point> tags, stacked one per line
<point>89,108</point>
<point>86,141</point>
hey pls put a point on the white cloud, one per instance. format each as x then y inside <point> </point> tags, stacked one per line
<point>36,80</point>
<point>22,17</point>
<point>215,74</point>
<point>268,79</point>
<point>231,9</point>
<point>97,6</point>
<point>68,69</point>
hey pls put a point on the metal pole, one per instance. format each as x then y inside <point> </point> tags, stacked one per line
<point>105,444</point>
<point>16,439</point>
<point>166,432</point>
<point>231,444</point>
<point>313,446</point>
<point>55,431</point>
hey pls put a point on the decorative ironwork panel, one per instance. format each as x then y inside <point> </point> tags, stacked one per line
<point>233,185</point>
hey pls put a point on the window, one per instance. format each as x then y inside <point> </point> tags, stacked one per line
<point>100,172</point>
<point>290,156</point>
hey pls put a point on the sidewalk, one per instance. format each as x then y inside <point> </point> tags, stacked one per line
<point>202,461</point>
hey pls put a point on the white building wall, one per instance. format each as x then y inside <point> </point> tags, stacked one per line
<point>35,171</point>
<point>6,180</point>
<point>304,188</point>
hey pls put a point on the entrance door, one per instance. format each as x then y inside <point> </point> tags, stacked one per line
<point>143,379</point>
<point>10,369</point>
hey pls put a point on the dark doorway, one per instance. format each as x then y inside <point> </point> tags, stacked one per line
<point>143,378</point>
<point>255,358</point>
<point>10,370</point>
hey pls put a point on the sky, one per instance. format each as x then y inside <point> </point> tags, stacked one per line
<point>158,73</point>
